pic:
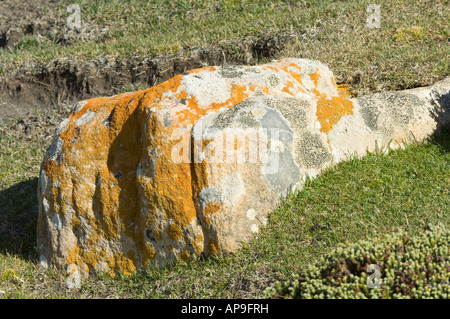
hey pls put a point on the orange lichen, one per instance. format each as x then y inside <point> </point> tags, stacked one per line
<point>287,88</point>
<point>91,259</point>
<point>75,222</point>
<point>329,146</point>
<point>94,147</point>
<point>346,90</point>
<point>157,234</point>
<point>197,244</point>
<point>206,68</point>
<point>184,255</point>
<point>331,110</point>
<point>293,86</point>
<point>74,257</point>
<point>97,165</point>
<point>113,151</point>
<point>174,232</point>
<point>315,77</point>
<point>148,253</point>
<point>296,75</point>
<point>119,262</point>
<point>213,247</point>
<point>211,208</point>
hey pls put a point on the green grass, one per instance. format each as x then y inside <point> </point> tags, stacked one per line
<point>334,32</point>
<point>357,199</point>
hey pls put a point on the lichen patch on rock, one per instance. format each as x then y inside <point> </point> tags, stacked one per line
<point>195,165</point>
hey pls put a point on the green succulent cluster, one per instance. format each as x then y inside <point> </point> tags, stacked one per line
<point>407,266</point>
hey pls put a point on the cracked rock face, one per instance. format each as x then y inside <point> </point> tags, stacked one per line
<point>194,165</point>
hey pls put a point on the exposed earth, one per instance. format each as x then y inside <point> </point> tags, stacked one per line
<point>35,16</point>
<point>62,81</point>
<point>36,97</point>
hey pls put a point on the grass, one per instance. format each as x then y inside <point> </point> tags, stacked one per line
<point>334,32</point>
<point>357,199</point>
<point>22,147</point>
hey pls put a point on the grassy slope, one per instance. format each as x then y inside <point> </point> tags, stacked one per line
<point>334,32</point>
<point>354,200</point>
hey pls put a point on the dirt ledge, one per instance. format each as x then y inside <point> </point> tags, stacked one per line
<point>63,81</point>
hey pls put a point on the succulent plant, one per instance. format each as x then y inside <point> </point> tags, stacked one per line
<point>408,266</point>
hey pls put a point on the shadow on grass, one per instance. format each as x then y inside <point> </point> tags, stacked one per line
<point>442,117</point>
<point>18,219</point>
<point>442,138</point>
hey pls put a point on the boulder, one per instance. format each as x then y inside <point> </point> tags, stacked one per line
<point>194,165</point>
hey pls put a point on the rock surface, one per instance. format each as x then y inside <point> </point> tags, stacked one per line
<point>194,165</point>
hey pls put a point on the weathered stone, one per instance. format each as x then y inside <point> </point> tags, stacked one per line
<point>194,165</point>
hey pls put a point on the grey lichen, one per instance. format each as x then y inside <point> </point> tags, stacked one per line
<point>312,152</point>
<point>398,106</point>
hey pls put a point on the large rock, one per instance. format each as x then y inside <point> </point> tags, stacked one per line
<point>194,165</point>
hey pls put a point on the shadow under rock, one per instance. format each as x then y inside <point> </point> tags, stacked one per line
<point>18,219</point>
<point>442,118</point>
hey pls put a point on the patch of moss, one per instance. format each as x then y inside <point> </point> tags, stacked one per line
<point>409,34</point>
<point>8,274</point>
